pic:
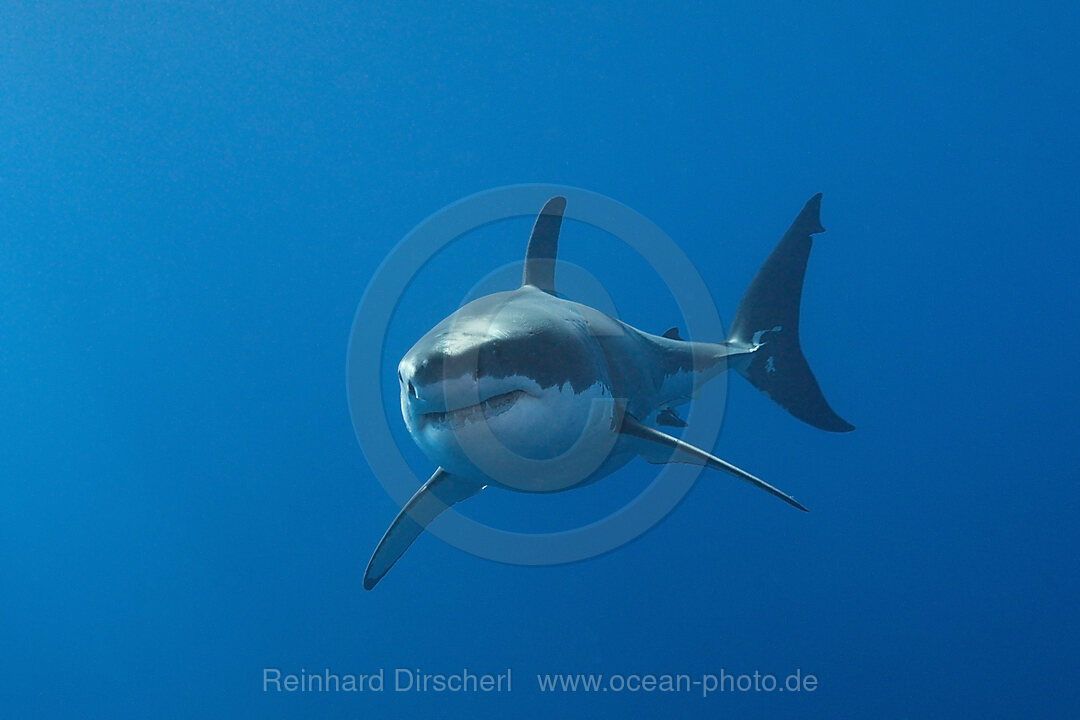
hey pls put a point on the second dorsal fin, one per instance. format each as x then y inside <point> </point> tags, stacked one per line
<point>672,334</point>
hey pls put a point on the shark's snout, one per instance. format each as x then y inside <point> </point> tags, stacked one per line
<point>410,390</point>
<point>417,397</point>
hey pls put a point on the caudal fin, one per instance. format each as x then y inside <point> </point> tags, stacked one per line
<point>768,316</point>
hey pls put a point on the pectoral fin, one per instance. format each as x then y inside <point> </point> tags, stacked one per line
<point>659,447</point>
<point>440,492</point>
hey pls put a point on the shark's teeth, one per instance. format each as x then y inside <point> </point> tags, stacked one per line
<point>487,409</point>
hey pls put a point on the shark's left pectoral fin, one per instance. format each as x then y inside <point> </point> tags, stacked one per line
<point>440,492</point>
<point>659,447</point>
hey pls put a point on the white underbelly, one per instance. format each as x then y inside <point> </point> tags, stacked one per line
<point>546,440</point>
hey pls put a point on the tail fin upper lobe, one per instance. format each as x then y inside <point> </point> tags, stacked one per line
<point>768,315</point>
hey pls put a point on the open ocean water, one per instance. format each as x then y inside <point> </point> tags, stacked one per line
<point>195,195</point>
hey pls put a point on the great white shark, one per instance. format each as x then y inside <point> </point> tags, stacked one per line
<point>531,392</point>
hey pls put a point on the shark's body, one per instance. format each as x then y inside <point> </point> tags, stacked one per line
<point>532,392</point>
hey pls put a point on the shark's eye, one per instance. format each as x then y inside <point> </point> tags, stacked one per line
<point>412,390</point>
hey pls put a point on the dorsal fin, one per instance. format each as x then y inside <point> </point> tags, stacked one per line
<point>672,334</point>
<point>544,246</point>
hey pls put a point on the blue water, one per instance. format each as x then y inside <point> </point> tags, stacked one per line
<point>194,195</point>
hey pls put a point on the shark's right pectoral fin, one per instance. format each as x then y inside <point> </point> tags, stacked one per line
<point>440,492</point>
<point>659,447</point>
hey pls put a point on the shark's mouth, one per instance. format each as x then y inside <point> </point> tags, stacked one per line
<point>485,410</point>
